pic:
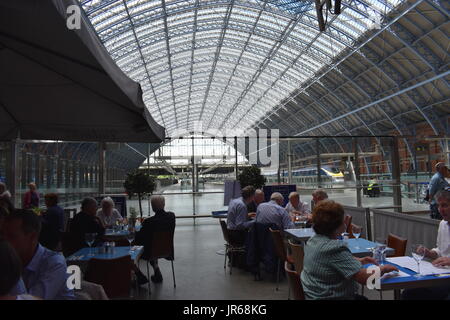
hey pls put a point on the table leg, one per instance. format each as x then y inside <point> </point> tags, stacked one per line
<point>397,294</point>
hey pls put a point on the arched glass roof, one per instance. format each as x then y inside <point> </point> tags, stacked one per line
<point>225,63</point>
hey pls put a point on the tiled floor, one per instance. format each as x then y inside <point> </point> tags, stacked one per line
<point>200,274</point>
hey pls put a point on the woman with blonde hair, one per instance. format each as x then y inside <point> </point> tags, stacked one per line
<point>107,214</point>
<point>31,198</point>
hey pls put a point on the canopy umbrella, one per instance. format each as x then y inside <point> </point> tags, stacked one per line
<point>61,84</point>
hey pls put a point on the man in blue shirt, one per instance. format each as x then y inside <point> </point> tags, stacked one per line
<point>273,212</point>
<point>238,217</point>
<point>437,183</point>
<point>45,272</point>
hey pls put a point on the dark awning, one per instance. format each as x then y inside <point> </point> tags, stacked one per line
<point>61,84</point>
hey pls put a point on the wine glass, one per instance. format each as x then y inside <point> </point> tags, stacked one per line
<point>356,230</point>
<point>90,239</point>
<point>418,253</point>
<point>130,237</point>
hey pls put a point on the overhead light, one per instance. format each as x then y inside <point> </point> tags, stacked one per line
<point>328,6</point>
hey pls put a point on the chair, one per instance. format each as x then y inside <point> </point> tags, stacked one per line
<point>114,275</point>
<point>398,244</point>
<point>295,283</point>
<point>69,243</point>
<point>348,222</point>
<point>90,291</point>
<point>161,247</point>
<point>298,254</point>
<point>280,250</point>
<point>230,246</point>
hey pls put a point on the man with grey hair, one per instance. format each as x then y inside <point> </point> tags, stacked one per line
<point>162,221</point>
<point>273,212</point>
<point>4,193</point>
<point>295,206</point>
<point>319,195</point>
<point>108,215</point>
<point>86,221</point>
<point>440,255</point>
<point>257,200</point>
<point>437,183</point>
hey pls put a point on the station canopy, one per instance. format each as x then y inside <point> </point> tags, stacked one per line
<point>224,63</point>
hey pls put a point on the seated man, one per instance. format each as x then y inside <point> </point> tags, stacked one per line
<point>295,207</point>
<point>273,212</point>
<point>52,222</point>
<point>161,221</point>
<point>317,196</point>
<point>440,255</point>
<point>238,218</point>
<point>86,221</point>
<point>44,272</point>
<point>109,216</point>
<point>258,199</point>
<point>11,270</point>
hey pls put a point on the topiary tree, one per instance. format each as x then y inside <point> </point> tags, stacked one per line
<point>139,183</point>
<point>251,176</point>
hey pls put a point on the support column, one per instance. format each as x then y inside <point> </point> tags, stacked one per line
<point>101,169</point>
<point>67,174</point>
<point>50,173</point>
<point>59,173</point>
<point>236,158</point>
<point>12,181</point>
<point>357,173</point>
<point>395,160</point>
<point>289,162</point>
<point>319,179</point>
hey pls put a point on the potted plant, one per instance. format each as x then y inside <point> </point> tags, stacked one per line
<point>251,176</point>
<point>139,183</point>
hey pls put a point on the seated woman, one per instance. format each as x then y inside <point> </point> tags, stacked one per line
<point>107,214</point>
<point>330,271</point>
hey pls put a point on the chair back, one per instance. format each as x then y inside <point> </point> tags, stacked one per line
<point>398,244</point>
<point>69,243</point>
<point>298,254</point>
<point>114,275</point>
<point>162,245</point>
<point>348,223</point>
<point>223,225</point>
<point>68,215</point>
<point>278,242</point>
<point>295,282</point>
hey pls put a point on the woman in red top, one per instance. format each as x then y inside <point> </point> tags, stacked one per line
<point>31,198</point>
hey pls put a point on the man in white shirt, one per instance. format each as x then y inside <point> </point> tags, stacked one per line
<point>295,207</point>
<point>440,255</point>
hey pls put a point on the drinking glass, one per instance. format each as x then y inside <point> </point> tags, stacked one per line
<point>90,239</point>
<point>381,246</point>
<point>418,253</point>
<point>356,230</point>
